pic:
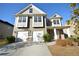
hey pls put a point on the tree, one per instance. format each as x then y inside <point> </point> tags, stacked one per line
<point>73,5</point>
<point>76,13</point>
<point>75,10</point>
<point>69,22</point>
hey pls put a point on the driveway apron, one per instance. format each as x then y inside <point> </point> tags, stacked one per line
<point>33,50</point>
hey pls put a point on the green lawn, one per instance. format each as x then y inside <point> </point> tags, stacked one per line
<point>3,42</point>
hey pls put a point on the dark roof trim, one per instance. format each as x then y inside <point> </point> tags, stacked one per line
<point>5,22</point>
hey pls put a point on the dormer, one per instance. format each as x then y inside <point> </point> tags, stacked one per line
<point>56,20</point>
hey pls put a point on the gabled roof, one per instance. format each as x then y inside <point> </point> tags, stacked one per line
<point>31,5</point>
<point>55,16</point>
<point>5,22</point>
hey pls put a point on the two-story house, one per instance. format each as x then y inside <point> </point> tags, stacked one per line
<point>30,22</point>
<point>58,30</point>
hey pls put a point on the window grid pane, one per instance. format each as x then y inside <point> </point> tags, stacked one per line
<point>54,21</point>
<point>24,19</point>
<point>35,18</point>
<point>57,21</point>
<point>20,19</point>
<point>39,18</point>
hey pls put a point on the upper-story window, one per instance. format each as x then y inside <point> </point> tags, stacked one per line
<point>22,19</point>
<point>30,10</point>
<point>56,21</point>
<point>37,19</point>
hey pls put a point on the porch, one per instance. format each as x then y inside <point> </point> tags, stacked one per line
<point>58,32</point>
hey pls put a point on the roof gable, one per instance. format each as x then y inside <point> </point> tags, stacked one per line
<point>35,10</point>
<point>56,16</point>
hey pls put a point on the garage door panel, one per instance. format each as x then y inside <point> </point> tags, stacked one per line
<point>22,36</point>
<point>37,36</point>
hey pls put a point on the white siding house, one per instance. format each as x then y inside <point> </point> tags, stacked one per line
<point>30,24</point>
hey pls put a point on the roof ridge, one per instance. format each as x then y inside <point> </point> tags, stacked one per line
<point>6,22</point>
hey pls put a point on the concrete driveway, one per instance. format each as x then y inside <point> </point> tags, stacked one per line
<point>33,50</point>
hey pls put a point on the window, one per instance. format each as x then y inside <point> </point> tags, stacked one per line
<point>56,21</point>
<point>22,19</point>
<point>37,19</point>
<point>1,36</point>
<point>30,10</point>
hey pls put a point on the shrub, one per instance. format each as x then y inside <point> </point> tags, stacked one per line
<point>47,37</point>
<point>74,38</point>
<point>65,42</point>
<point>10,39</point>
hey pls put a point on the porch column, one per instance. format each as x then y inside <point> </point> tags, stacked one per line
<point>55,34</point>
<point>68,32</point>
<point>45,25</point>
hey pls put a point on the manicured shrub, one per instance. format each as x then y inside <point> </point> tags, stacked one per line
<point>10,39</point>
<point>47,37</point>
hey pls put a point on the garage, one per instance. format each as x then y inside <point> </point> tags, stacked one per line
<point>22,36</point>
<point>38,36</point>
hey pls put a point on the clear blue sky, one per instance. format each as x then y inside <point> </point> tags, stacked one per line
<point>8,10</point>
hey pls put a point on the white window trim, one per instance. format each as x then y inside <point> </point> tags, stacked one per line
<point>37,18</point>
<point>22,19</point>
<point>37,22</point>
<point>23,24</point>
<point>56,21</point>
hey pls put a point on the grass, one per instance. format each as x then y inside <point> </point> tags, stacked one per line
<point>3,42</point>
<point>64,51</point>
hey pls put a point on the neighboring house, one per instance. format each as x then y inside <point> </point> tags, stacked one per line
<point>6,29</point>
<point>58,31</point>
<point>32,23</point>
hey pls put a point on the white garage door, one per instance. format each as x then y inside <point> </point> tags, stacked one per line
<point>23,36</point>
<point>37,36</point>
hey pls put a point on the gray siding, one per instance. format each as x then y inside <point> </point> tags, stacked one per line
<point>5,30</point>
